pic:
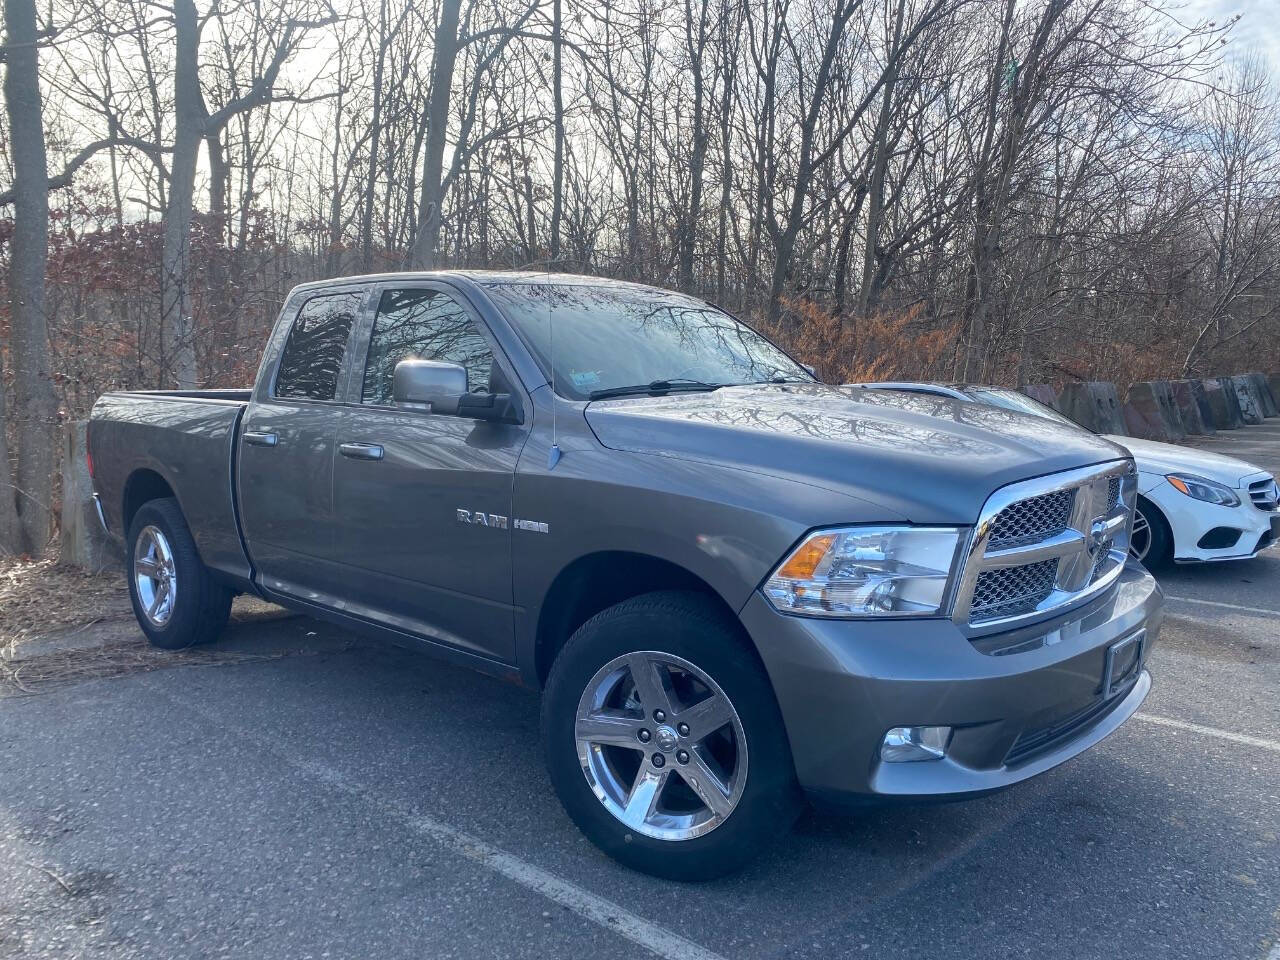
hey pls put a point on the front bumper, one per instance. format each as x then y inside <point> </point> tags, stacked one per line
<point>841,684</point>
<point>1195,524</point>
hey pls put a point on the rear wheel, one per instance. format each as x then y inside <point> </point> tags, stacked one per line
<point>1151,542</point>
<point>664,741</point>
<point>175,598</point>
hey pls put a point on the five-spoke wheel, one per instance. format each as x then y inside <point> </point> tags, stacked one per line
<point>661,745</point>
<point>663,738</point>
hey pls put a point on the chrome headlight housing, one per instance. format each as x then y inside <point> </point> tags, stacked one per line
<point>889,571</point>
<point>1198,488</point>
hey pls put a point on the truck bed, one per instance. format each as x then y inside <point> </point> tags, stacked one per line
<point>181,439</point>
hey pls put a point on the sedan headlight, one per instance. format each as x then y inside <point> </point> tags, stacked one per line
<point>867,571</point>
<point>1198,488</point>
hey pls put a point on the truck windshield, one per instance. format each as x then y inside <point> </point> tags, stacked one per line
<point>620,340</point>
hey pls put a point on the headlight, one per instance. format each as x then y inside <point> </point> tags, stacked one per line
<point>866,571</point>
<point>1198,488</point>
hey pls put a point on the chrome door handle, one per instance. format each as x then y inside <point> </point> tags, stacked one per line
<point>260,439</point>
<point>361,451</point>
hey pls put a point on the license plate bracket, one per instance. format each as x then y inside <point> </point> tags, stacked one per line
<point>1123,662</point>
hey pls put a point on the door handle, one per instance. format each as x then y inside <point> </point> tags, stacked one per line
<point>361,451</point>
<point>260,439</point>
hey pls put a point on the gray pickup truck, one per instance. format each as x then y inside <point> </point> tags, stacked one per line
<point>736,587</point>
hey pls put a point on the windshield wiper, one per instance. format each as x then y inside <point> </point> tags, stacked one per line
<point>655,387</point>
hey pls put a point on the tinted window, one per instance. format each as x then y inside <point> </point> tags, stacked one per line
<point>610,337</point>
<point>313,355</point>
<point>423,325</point>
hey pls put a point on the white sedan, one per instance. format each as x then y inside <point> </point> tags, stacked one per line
<point>1192,505</point>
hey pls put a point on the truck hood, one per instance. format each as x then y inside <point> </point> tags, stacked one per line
<point>926,459</point>
<point>1154,457</point>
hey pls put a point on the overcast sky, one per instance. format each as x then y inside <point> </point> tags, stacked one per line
<point>1258,29</point>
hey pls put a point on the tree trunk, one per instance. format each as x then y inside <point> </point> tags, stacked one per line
<point>25,515</point>
<point>424,253</point>
<point>189,115</point>
<point>557,97</point>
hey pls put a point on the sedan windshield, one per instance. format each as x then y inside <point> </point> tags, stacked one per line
<point>618,340</point>
<point>1013,400</point>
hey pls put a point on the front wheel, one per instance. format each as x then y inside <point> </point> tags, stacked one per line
<point>176,600</point>
<point>664,741</point>
<point>1151,542</point>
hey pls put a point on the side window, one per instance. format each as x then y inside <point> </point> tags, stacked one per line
<point>425,325</point>
<point>313,353</point>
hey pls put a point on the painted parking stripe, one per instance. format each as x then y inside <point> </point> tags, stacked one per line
<point>1224,606</point>
<point>598,910</point>
<point>1248,741</point>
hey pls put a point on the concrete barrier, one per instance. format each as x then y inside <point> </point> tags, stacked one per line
<point>1263,390</point>
<point>1250,405</point>
<point>1202,401</point>
<point>1095,405</point>
<point>1273,381</point>
<point>1184,396</point>
<point>1042,392</point>
<point>83,542</point>
<point>1223,403</point>
<point>1150,412</point>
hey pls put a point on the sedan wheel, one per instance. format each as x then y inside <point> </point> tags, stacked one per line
<point>1140,539</point>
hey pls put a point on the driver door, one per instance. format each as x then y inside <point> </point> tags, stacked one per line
<point>403,479</point>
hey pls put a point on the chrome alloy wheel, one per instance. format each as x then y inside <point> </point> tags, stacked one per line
<point>154,576</point>
<point>1140,538</point>
<point>646,716</point>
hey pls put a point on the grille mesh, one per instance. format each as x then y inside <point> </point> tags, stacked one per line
<point>1008,591</point>
<point>1036,518</point>
<point>1113,493</point>
<point>1262,493</point>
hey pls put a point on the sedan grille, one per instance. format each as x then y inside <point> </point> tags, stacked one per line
<point>1263,494</point>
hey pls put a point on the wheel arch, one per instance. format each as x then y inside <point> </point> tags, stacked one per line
<point>143,485</point>
<point>1151,509</point>
<point>595,582</point>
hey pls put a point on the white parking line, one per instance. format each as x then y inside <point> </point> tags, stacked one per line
<point>1210,732</point>
<point>605,913</point>
<point>1224,606</point>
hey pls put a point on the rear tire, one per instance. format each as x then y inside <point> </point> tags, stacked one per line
<point>176,600</point>
<point>725,785</point>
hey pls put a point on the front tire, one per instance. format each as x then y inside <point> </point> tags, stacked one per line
<point>664,741</point>
<point>1151,542</point>
<point>176,600</point>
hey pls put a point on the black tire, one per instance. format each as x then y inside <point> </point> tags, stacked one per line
<point>691,627</point>
<point>200,606</point>
<point>1159,553</point>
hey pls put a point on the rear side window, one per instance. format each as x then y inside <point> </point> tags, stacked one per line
<point>313,354</point>
<point>424,325</point>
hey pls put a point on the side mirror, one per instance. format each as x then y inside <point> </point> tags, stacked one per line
<point>427,383</point>
<point>442,388</point>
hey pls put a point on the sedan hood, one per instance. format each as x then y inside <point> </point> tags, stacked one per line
<point>926,459</point>
<point>1164,458</point>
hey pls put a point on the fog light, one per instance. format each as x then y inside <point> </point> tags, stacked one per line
<point>904,744</point>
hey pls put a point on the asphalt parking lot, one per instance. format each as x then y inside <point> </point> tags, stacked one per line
<point>299,792</point>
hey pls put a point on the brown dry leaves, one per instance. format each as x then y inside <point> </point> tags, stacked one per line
<point>39,596</point>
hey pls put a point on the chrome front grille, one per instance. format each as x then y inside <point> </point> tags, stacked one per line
<point>1263,494</point>
<point>1044,544</point>
<point>1011,590</point>
<point>1033,519</point>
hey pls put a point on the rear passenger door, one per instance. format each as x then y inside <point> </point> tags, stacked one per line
<point>286,449</point>
<point>402,476</point>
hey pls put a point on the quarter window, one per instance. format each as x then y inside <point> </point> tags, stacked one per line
<point>423,325</point>
<point>313,354</point>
